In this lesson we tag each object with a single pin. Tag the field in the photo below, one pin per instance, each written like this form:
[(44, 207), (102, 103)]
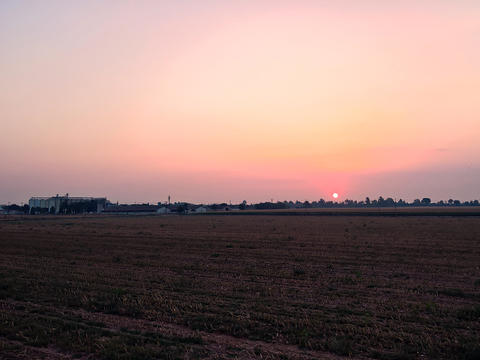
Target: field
[(244, 286)]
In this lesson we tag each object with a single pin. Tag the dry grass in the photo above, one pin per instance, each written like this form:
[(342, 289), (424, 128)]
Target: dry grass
[(379, 287)]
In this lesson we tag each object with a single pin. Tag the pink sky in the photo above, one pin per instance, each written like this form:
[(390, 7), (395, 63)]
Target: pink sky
[(242, 100)]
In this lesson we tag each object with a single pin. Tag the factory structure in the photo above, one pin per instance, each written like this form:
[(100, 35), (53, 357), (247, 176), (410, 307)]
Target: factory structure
[(57, 201)]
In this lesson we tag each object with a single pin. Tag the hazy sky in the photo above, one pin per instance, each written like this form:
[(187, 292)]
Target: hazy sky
[(213, 101)]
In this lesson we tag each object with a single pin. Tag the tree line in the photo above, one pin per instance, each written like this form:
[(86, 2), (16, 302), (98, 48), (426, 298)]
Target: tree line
[(347, 203)]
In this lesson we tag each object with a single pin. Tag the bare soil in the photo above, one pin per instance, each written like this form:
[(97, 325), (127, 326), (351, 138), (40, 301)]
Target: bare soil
[(220, 287)]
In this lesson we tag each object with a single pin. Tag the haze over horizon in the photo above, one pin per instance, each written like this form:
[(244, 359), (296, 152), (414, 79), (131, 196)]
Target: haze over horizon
[(242, 100)]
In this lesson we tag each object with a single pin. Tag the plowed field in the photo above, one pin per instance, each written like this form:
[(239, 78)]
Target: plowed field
[(208, 287)]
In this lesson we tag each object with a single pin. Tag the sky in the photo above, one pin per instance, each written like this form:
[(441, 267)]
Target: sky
[(217, 101)]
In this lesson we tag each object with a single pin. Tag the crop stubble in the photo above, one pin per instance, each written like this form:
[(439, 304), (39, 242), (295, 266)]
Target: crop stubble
[(387, 288)]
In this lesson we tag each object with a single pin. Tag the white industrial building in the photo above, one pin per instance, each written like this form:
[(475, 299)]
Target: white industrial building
[(57, 201)]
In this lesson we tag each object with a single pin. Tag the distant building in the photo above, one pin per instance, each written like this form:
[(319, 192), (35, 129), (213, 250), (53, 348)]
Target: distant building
[(200, 209), (57, 201), (168, 209), (164, 209)]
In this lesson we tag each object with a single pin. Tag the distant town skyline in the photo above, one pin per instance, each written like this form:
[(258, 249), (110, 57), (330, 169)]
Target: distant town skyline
[(213, 102)]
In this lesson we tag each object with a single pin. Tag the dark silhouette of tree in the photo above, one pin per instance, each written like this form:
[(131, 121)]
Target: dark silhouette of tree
[(389, 202), (52, 210), (350, 203), (381, 201), (426, 201), (269, 206), (218, 206), (243, 205), (15, 207), (181, 209), (63, 208)]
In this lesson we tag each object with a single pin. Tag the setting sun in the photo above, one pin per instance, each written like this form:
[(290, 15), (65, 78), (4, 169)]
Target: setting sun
[(335, 195)]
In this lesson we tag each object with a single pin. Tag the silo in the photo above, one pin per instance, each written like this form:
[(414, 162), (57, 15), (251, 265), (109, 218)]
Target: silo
[(58, 202), (51, 202)]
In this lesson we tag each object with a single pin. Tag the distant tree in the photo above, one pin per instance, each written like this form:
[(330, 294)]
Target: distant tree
[(52, 210), (450, 201), (350, 203), (401, 203), (389, 202), (456, 203), (381, 201), (63, 207), (426, 201), (243, 205), (181, 209), (217, 206), (92, 206), (367, 201), (32, 211), (26, 209), (14, 207), (307, 204), (269, 205), (417, 202)]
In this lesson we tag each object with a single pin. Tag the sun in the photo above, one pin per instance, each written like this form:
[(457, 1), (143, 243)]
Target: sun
[(335, 195)]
